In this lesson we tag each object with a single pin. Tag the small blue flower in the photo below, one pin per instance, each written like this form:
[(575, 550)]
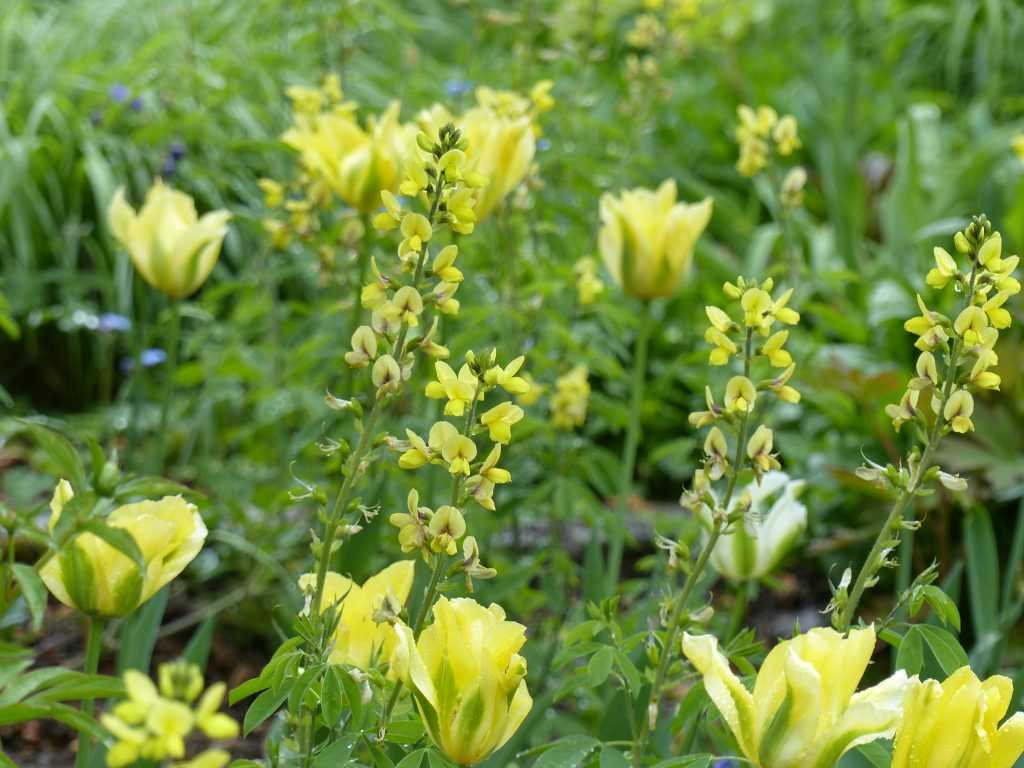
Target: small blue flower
[(136, 104), (111, 322), (725, 763), (543, 145), (177, 150), (119, 93), (169, 166), (457, 87), (149, 359)]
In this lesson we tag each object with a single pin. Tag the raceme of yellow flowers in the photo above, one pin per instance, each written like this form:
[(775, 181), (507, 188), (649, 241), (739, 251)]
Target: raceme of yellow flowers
[(170, 245), (153, 722), (760, 131), (647, 238), (92, 576), (987, 282)]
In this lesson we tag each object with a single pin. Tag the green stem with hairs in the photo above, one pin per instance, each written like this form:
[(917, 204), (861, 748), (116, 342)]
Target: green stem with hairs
[(617, 540), (894, 521), (675, 620)]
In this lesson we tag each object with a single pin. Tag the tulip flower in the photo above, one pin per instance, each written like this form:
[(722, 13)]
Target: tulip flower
[(804, 711), (358, 164), (956, 723), (170, 245), (647, 238), (359, 639), (753, 546), (466, 677), (501, 148), (97, 579)]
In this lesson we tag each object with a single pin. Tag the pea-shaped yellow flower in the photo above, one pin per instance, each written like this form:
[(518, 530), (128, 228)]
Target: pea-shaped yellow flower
[(466, 677), (360, 640), (92, 576), (501, 148), (647, 238), (956, 723), (357, 164), (804, 711), (170, 245)]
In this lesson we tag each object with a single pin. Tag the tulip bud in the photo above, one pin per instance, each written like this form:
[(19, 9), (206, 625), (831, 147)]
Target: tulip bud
[(97, 579), (647, 238), (172, 248), (466, 677)]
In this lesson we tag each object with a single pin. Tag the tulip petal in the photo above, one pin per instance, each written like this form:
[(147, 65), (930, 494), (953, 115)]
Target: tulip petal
[(732, 699)]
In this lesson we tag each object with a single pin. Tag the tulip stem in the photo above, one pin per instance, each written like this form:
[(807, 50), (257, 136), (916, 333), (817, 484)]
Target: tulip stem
[(173, 336), (629, 448), (675, 619), (894, 521), (93, 646)]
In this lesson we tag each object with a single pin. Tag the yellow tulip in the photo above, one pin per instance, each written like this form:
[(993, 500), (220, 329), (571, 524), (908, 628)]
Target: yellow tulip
[(94, 577), (804, 711), (171, 246), (956, 723), (359, 640), (501, 148), (358, 164), (647, 238), (466, 677)]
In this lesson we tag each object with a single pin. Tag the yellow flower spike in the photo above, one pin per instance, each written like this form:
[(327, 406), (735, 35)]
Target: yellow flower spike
[(944, 271), (386, 375), (443, 293), (926, 367), (416, 228), (783, 313), (804, 711), (499, 421), (412, 531), (481, 485), (506, 377), (180, 680), (756, 304), (364, 347), (958, 411), (588, 285), (956, 723), (216, 725), (418, 453), (785, 136), (458, 451), (791, 192), (273, 192), (170, 722), (717, 450), (719, 319), (90, 575), (170, 245), (724, 347), (540, 95), (905, 411), (772, 348), (126, 749), (647, 238), (997, 315), (440, 433), (458, 389), (444, 265), (740, 395), (759, 449), (570, 399), (446, 527), (990, 252), (466, 677), (928, 326), (359, 640), (970, 322), (408, 304)]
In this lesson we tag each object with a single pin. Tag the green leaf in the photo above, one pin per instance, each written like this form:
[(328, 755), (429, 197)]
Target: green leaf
[(567, 752), (118, 538), (332, 697), (910, 655), (247, 689), (61, 452), (337, 753), (152, 487), (876, 753), (982, 570), (612, 758), (33, 590), (266, 704), (138, 634), (946, 649), (354, 697), (198, 649), (600, 666), (413, 760), (943, 605)]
